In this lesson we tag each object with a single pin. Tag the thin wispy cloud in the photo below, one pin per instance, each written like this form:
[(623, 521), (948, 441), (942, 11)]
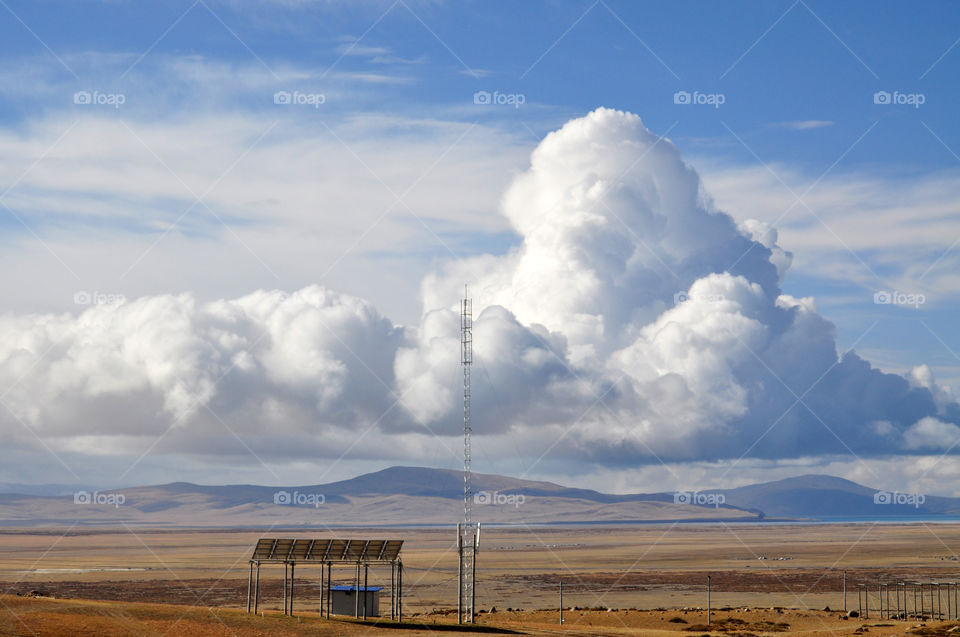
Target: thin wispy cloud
[(806, 124)]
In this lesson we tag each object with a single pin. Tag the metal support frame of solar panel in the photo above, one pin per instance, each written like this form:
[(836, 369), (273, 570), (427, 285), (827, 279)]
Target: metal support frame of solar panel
[(325, 553), (326, 550)]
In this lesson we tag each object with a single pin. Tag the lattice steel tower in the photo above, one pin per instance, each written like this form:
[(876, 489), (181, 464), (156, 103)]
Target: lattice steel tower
[(468, 532), (466, 361)]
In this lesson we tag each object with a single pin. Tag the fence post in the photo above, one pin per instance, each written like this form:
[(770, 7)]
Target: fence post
[(708, 600), (844, 591), (561, 602)]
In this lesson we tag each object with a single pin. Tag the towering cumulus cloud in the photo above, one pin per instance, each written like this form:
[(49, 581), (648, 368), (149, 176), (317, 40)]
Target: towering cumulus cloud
[(633, 322), (675, 325)]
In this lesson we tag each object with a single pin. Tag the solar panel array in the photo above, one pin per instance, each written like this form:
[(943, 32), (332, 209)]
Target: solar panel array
[(320, 550)]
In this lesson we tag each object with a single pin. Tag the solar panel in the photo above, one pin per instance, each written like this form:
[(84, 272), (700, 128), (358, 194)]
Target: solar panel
[(325, 550)]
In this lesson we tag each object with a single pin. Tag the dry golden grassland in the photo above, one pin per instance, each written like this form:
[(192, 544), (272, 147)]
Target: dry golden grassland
[(602, 568), (70, 618)]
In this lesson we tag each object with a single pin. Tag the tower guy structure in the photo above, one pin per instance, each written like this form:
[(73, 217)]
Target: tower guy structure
[(468, 531)]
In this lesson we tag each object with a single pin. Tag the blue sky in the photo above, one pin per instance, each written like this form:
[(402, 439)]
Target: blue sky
[(150, 198), (775, 62)]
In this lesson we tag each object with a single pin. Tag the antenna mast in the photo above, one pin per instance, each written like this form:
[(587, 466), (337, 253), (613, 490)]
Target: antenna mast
[(468, 532), (466, 360)]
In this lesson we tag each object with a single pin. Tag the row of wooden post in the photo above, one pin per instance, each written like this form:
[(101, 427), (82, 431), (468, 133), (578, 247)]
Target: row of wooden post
[(326, 574), (920, 606), (883, 593)]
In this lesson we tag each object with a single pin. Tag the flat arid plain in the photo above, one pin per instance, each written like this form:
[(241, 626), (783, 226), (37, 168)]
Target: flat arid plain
[(639, 579)]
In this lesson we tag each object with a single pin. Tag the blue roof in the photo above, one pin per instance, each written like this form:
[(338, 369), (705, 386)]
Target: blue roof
[(369, 589)]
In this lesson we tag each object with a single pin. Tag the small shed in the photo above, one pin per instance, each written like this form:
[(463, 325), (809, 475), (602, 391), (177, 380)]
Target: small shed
[(345, 600)]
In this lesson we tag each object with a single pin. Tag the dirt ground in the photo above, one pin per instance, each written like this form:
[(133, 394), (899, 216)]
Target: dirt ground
[(799, 568), (69, 618)]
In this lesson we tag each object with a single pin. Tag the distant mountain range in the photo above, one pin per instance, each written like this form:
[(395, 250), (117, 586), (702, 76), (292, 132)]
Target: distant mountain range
[(422, 496)]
